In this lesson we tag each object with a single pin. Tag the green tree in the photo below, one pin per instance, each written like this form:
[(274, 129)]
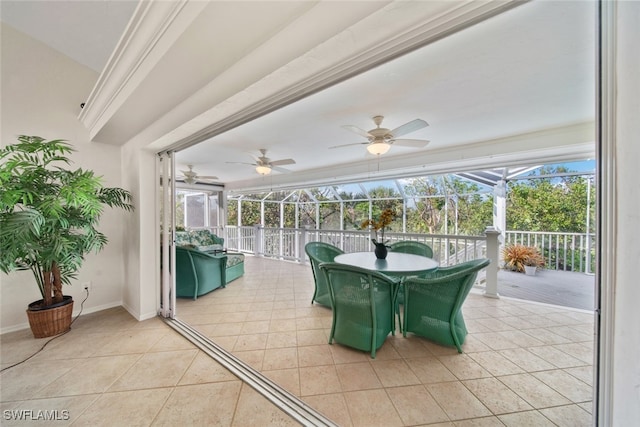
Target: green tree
[(250, 212), (474, 209), (271, 214), (232, 212), (289, 215), (387, 198), (49, 214), (557, 204), (434, 200), (355, 209), (426, 211)]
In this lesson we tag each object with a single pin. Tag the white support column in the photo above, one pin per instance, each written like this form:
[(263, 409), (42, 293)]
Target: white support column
[(500, 206), (222, 214), (493, 253), (302, 241), (258, 239)]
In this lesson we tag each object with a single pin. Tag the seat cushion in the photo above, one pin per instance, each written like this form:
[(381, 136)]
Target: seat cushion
[(234, 259), (203, 238)]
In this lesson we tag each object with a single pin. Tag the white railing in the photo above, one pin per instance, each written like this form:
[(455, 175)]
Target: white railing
[(288, 243), (561, 251)]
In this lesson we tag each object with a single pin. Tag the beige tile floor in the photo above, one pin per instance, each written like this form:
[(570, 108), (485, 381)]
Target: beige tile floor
[(524, 365)]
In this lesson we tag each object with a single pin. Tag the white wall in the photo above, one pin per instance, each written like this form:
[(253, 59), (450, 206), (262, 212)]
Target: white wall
[(141, 251), (41, 95)]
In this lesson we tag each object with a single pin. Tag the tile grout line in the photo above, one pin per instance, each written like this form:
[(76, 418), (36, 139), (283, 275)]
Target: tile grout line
[(284, 400)]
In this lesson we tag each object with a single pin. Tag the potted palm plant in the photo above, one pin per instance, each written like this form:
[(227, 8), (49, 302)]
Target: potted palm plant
[(48, 220)]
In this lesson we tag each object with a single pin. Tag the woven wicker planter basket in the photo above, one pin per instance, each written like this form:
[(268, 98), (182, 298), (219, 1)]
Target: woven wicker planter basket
[(51, 321)]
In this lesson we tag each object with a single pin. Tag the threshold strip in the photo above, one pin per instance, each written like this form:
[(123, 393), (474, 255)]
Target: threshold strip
[(284, 400)]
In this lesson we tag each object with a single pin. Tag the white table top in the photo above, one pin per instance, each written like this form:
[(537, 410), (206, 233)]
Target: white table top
[(397, 263)]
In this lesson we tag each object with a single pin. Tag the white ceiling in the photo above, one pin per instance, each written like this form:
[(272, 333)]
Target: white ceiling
[(529, 69), (86, 31)]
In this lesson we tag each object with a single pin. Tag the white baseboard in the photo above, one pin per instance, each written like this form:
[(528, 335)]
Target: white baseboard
[(76, 311)]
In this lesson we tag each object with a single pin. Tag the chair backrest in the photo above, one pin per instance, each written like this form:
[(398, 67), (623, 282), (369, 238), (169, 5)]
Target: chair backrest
[(363, 282), (318, 253), (363, 305), (322, 252), (451, 284), (409, 247)]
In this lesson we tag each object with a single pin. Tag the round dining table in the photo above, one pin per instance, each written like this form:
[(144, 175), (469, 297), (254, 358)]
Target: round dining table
[(396, 263)]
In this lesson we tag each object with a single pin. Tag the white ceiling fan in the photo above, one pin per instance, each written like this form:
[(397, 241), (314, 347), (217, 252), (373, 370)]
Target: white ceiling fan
[(379, 139), (191, 177), (264, 165)]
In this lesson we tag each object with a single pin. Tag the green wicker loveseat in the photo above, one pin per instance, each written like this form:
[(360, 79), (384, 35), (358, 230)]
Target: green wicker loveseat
[(198, 273), (202, 264)]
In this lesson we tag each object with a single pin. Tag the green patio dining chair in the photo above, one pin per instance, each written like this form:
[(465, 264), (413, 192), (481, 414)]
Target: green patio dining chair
[(432, 304), (409, 247), (363, 304), (319, 252)]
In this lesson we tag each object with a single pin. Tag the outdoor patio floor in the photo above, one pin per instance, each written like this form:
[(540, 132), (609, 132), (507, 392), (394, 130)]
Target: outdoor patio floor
[(564, 288), (523, 364)]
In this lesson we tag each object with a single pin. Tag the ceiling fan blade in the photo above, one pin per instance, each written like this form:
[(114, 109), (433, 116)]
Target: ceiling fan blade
[(207, 177), (242, 163), (349, 145), (409, 127), (357, 130), (411, 142), (279, 169), (283, 162)]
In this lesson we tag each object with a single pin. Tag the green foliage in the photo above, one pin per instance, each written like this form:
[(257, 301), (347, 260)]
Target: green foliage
[(48, 214), (431, 195), (440, 205), (354, 213), (549, 204), (271, 214), (250, 212), (232, 212)]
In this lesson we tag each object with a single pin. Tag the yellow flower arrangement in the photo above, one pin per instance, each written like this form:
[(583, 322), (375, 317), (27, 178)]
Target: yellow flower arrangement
[(386, 217)]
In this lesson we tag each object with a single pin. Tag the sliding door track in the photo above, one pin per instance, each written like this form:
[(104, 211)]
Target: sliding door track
[(284, 400)]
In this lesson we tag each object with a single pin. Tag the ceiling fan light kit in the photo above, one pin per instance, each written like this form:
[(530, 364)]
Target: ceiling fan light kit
[(378, 148), (264, 165), (379, 139), (263, 170), (191, 177)]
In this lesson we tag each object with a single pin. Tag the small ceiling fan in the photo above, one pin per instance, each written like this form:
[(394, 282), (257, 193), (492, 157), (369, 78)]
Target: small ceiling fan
[(264, 165), (191, 177), (380, 139)]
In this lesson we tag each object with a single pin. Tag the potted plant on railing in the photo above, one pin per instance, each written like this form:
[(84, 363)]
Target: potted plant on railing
[(386, 217), (48, 220), (522, 258)]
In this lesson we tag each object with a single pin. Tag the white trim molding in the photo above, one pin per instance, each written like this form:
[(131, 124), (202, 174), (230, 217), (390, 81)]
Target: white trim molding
[(606, 223), (152, 30)]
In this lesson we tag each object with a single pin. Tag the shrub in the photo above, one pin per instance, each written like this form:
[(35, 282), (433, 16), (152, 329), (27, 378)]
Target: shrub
[(516, 256)]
